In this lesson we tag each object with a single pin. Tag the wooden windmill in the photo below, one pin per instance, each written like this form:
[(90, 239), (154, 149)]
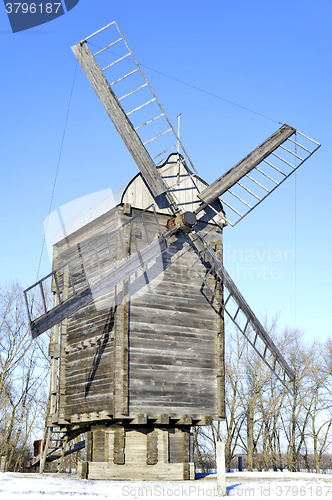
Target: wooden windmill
[(137, 346)]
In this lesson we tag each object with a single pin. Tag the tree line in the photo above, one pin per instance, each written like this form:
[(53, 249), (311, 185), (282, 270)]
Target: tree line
[(269, 426), (23, 380)]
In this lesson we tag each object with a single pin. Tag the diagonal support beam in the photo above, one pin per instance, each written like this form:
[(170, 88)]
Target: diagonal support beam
[(119, 118), (90, 293), (227, 180), (207, 255)]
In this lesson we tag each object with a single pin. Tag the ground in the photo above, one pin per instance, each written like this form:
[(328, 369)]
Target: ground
[(244, 484)]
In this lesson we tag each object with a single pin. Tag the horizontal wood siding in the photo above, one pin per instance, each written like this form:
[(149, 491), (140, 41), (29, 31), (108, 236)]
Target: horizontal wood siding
[(89, 384), (165, 361), (172, 341)]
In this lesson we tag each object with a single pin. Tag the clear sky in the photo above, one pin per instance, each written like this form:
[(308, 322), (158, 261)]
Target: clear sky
[(273, 58)]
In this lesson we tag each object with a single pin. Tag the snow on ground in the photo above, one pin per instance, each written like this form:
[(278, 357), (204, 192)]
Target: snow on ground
[(14, 486)]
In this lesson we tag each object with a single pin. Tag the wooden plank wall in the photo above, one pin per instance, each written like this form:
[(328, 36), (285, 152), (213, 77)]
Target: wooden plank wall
[(172, 342), (166, 325), (88, 380)]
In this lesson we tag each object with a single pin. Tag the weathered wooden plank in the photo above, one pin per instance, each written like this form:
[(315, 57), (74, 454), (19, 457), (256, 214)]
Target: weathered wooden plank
[(141, 472), (73, 304), (98, 451), (119, 443), (163, 446), (220, 346), (227, 180), (119, 118)]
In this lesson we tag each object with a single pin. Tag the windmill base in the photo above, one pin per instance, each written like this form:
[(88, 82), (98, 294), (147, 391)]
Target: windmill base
[(138, 453)]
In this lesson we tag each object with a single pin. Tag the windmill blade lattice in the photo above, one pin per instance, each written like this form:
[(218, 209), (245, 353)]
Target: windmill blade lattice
[(114, 72), (239, 312), (255, 177)]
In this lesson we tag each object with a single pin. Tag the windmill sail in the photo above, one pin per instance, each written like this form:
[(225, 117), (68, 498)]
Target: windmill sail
[(92, 273), (240, 313), (139, 118), (251, 180)]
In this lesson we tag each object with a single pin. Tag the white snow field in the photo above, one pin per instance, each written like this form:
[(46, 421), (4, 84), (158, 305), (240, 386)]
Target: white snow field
[(15, 486)]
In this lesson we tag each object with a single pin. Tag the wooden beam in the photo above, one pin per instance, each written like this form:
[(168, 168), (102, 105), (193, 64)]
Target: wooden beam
[(242, 304), (152, 447), (220, 344), (227, 180), (69, 306), (119, 118), (119, 444)]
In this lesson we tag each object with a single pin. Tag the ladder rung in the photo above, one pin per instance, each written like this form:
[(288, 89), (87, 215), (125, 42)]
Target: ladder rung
[(282, 159), (122, 77), (307, 138), (146, 123), (229, 296), (236, 196), (261, 171), (102, 29), (298, 144), (230, 206), (43, 296), (165, 151), (276, 168), (253, 194), (156, 137), (118, 60), (291, 152), (107, 47), (256, 182), (139, 107), (237, 312), (132, 92)]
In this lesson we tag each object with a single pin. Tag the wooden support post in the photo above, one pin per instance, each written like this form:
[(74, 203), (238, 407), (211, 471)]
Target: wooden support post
[(54, 365), (221, 472), (152, 447), (220, 345), (44, 450), (3, 463), (163, 446), (88, 446), (121, 319), (119, 444), (63, 353)]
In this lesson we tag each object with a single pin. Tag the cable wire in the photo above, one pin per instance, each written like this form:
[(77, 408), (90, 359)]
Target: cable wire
[(57, 168), (196, 88)]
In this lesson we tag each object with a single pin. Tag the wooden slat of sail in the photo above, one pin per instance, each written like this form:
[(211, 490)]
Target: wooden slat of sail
[(119, 118), (227, 180), (207, 254)]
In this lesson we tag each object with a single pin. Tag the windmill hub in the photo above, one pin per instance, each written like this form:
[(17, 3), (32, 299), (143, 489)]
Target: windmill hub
[(184, 221)]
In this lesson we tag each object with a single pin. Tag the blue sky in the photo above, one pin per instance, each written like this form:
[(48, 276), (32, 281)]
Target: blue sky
[(272, 58)]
